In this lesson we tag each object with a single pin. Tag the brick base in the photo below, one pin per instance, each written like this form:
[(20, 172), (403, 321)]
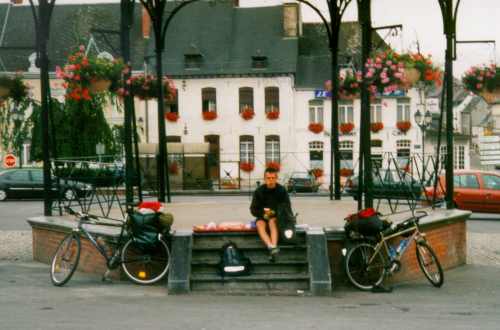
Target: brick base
[(448, 240)]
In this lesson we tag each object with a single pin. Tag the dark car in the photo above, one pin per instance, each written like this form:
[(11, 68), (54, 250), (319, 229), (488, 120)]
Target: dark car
[(28, 183), (389, 184), (302, 182)]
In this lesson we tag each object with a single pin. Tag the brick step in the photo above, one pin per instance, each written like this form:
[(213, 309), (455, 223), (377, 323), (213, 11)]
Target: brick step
[(268, 268)]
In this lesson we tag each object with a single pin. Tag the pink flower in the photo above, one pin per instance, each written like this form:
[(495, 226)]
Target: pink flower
[(389, 63), (378, 66), (394, 67), (383, 75), (369, 74), (378, 60), (385, 81), (82, 48), (479, 86), (398, 75), (59, 72)]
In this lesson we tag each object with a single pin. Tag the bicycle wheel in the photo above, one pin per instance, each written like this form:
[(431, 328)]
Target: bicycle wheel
[(360, 271), (65, 260), (429, 264), (145, 264)]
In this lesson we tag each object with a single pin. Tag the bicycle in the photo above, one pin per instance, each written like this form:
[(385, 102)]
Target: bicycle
[(367, 264), (141, 263)]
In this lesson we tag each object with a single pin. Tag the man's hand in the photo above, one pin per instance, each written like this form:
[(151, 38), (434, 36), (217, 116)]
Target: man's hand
[(268, 213)]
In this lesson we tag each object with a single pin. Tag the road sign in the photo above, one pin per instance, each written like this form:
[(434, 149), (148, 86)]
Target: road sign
[(9, 161)]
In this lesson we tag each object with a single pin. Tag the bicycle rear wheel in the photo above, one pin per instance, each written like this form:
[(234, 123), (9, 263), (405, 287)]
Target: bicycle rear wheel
[(360, 271), (429, 264), (65, 260), (145, 264)]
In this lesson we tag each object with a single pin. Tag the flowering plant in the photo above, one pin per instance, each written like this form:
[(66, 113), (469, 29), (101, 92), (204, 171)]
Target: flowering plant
[(172, 116), (247, 166), (316, 127), (247, 113), (273, 115), (209, 115), (403, 126), (480, 79), (375, 127), (424, 70), (173, 168), (317, 172), (145, 87), (346, 128), (385, 73), (87, 75), (346, 172), (273, 165)]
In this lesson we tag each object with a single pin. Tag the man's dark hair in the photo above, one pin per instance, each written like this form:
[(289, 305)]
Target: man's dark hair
[(270, 170)]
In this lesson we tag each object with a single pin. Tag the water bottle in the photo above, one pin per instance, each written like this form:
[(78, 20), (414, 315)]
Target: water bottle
[(402, 245), (392, 253)]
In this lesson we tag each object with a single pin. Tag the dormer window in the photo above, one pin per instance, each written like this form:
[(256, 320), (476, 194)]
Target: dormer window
[(193, 58), (259, 62)]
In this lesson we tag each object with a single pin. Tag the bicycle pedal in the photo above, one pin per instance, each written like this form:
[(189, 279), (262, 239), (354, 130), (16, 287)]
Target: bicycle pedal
[(106, 278)]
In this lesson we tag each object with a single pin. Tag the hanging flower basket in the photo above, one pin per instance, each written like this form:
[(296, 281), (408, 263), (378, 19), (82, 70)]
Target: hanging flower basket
[(484, 81), (172, 116), (376, 127), (420, 69), (403, 126), (99, 85), (411, 76), (316, 127), (173, 168), (247, 113), (346, 172), (273, 115), (209, 115), (145, 87), (273, 165), (247, 167), (346, 128), (317, 172), (385, 73)]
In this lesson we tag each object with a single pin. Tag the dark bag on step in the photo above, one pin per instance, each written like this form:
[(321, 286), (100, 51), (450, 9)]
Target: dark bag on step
[(286, 224), (144, 228), (233, 262)]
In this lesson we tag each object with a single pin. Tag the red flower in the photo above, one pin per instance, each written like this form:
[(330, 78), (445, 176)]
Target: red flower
[(171, 116), (316, 127), (317, 172), (209, 115), (273, 115), (173, 168), (274, 165), (346, 172), (403, 126), (346, 128), (247, 113), (247, 167), (375, 127)]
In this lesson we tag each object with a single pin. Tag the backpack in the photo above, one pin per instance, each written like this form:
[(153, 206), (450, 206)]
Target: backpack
[(365, 222), (286, 223), (144, 228), (233, 262)]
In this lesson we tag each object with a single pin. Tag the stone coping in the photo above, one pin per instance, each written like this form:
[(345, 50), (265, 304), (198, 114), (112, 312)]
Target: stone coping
[(436, 218), (108, 228)]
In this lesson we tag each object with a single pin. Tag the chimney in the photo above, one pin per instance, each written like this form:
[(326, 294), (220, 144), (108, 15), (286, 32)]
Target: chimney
[(146, 23), (292, 25)]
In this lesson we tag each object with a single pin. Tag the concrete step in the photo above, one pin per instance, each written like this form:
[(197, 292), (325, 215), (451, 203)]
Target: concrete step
[(253, 284), (210, 242), (267, 268)]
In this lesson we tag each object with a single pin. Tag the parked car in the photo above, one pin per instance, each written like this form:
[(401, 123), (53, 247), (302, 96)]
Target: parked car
[(389, 184), (28, 183), (477, 191), (302, 182)]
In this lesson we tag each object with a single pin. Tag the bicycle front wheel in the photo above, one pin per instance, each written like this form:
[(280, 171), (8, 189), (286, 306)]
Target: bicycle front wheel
[(360, 271), (145, 264), (65, 260), (429, 264)]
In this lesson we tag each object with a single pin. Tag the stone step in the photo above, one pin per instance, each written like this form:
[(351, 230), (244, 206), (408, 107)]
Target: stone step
[(257, 269), (250, 278), (252, 288), (243, 241), (259, 255), (217, 245)]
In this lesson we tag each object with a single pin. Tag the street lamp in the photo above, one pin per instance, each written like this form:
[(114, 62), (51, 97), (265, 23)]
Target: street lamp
[(423, 122)]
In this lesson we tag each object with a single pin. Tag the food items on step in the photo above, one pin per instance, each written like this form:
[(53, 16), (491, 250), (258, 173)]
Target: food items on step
[(225, 226)]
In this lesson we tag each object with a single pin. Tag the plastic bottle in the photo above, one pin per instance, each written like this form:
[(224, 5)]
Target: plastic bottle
[(402, 245), (392, 252)]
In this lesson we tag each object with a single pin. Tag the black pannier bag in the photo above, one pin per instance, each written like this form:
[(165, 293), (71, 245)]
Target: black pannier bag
[(144, 228), (366, 222), (233, 262), (286, 224)]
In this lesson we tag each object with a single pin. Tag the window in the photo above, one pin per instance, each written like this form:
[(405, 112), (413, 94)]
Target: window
[(316, 154), (376, 143), (403, 152), (209, 99), (172, 104), (466, 181), (192, 61), (442, 156), (259, 62), (403, 112), (247, 154), (377, 161), (37, 176), (459, 157), (346, 154), (316, 111), (246, 98), (272, 99), (272, 148), (491, 182), (376, 113), (346, 113), (19, 176)]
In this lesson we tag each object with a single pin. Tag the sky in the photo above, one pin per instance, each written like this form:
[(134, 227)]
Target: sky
[(421, 20)]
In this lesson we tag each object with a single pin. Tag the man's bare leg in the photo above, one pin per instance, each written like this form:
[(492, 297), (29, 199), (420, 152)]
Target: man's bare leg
[(262, 230), (273, 228)]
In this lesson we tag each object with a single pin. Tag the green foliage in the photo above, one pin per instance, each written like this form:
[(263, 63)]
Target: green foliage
[(12, 133), (97, 177)]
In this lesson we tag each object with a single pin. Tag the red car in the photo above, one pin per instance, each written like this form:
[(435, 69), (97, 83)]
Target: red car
[(477, 191)]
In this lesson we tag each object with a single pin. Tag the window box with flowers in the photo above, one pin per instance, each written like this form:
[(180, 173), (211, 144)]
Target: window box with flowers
[(403, 126), (209, 115), (317, 172), (316, 127), (346, 172), (172, 116), (247, 166), (484, 81), (273, 115), (346, 128), (173, 168), (376, 127), (273, 165), (247, 113)]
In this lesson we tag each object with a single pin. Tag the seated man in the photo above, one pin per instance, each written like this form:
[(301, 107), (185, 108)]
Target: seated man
[(266, 199)]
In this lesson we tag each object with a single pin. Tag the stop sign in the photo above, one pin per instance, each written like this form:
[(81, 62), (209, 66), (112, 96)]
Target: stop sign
[(9, 161)]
